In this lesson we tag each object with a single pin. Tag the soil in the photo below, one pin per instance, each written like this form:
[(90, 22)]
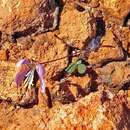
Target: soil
[(55, 34)]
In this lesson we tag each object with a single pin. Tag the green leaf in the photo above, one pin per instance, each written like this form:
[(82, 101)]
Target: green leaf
[(81, 68), (71, 68), (78, 62)]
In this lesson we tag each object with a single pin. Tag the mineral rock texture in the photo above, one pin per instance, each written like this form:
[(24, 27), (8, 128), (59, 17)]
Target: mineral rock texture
[(21, 18), (78, 27), (116, 9), (86, 114), (108, 44), (97, 100)]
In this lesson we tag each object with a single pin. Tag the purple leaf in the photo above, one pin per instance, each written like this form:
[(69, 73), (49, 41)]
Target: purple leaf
[(43, 86), (20, 76), (21, 62), (41, 73), (94, 43)]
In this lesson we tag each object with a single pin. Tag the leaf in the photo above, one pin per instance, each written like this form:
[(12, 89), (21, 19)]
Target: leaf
[(21, 62), (41, 73), (40, 70), (81, 68), (43, 86), (31, 78), (79, 62), (71, 68), (28, 76), (94, 43), (20, 76)]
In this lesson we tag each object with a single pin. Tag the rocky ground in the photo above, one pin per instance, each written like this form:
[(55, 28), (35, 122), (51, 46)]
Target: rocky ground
[(51, 32)]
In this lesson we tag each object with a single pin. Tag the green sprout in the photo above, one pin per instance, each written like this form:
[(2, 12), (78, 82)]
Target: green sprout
[(77, 65)]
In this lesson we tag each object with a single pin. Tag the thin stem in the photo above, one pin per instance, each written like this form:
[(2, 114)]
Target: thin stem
[(73, 55), (45, 62)]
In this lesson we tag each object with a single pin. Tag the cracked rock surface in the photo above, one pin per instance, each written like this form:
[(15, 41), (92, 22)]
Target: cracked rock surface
[(51, 31)]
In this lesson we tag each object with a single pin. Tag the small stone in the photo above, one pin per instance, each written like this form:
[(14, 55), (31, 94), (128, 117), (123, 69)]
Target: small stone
[(3, 55), (121, 92)]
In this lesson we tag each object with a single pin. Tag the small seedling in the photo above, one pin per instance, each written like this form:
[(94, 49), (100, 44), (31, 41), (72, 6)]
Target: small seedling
[(77, 65), (27, 75)]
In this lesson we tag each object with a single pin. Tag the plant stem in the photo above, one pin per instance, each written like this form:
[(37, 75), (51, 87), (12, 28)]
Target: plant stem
[(73, 55)]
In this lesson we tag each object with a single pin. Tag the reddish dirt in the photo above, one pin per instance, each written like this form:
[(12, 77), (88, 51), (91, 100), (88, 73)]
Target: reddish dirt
[(97, 100)]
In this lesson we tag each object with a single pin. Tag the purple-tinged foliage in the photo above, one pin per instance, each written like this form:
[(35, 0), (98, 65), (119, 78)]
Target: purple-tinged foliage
[(43, 86), (20, 76), (21, 62), (41, 73), (94, 43), (27, 75)]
